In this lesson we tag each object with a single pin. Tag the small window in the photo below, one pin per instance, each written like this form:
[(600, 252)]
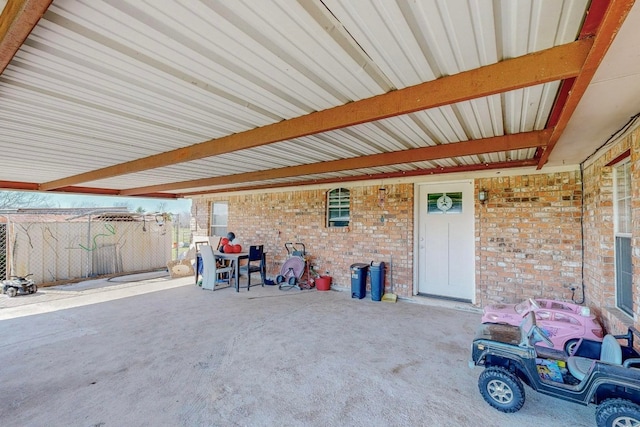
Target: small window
[(559, 306), (543, 315), (563, 318), (338, 205), (623, 198), (219, 218)]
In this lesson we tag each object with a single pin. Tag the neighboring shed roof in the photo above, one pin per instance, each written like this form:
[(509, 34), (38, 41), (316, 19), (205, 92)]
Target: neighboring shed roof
[(72, 215)]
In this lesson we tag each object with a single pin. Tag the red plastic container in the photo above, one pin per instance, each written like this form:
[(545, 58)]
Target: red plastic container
[(323, 283)]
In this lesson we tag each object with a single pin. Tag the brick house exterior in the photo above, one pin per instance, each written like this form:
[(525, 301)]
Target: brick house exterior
[(529, 235), (298, 215), (599, 247)]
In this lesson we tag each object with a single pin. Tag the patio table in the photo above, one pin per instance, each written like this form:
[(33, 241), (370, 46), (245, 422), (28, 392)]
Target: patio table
[(234, 257)]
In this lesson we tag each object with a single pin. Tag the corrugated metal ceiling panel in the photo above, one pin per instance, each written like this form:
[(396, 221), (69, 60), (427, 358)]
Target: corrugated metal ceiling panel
[(445, 124), (112, 81)]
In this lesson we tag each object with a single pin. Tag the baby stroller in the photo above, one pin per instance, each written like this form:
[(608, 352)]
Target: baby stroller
[(293, 269)]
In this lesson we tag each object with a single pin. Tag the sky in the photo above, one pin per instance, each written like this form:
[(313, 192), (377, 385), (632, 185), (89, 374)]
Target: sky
[(149, 205)]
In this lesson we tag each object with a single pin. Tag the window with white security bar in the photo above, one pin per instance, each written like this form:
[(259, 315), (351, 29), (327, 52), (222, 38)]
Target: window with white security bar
[(338, 207), (622, 211), (219, 218)]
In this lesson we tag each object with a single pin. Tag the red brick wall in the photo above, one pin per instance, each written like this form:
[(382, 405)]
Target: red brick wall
[(634, 143), (375, 233), (599, 255), (528, 237)]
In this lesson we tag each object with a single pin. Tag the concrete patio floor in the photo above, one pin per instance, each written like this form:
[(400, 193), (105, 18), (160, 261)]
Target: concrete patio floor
[(163, 352)]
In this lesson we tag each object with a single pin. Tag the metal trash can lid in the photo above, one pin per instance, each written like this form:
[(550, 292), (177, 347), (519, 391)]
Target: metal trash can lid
[(359, 266)]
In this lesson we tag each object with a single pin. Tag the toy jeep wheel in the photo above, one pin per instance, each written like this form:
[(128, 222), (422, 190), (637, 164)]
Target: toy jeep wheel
[(11, 292), (618, 413), (501, 389)]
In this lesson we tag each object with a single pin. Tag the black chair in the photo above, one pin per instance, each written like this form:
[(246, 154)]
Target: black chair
[(255, 264)]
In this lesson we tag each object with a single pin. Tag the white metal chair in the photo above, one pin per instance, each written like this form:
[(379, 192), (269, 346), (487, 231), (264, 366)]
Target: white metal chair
[(211, 273)]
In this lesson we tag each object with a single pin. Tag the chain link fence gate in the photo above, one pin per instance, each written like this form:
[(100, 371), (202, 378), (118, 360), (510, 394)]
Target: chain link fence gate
[(56, 245)]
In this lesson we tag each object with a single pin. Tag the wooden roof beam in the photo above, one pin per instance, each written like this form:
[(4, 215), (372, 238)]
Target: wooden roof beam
[(611, 22), (18, 19), (377, 176), (467, 148), (552, 64), (33, 186)]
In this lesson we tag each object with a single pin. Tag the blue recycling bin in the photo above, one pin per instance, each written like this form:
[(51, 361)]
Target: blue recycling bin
[(359, 280), (377, 271)]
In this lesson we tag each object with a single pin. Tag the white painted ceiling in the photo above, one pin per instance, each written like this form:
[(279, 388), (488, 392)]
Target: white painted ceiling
[(98, 87), (612, 99)]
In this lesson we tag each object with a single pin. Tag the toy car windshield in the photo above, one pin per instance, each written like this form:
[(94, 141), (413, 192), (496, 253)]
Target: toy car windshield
[(528, 330), (524, 307)]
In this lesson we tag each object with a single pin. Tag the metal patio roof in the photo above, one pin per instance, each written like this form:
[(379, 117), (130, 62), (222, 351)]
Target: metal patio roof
[(176, 98)]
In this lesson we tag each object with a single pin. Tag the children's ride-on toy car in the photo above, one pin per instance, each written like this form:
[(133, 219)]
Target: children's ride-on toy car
[(604, 373), (19, 285), (563, 322)]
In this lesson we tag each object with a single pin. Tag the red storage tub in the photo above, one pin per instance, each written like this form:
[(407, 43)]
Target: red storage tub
[(323, 283)]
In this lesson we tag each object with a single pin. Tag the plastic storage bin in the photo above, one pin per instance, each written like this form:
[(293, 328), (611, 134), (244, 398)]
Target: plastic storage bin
[(376, 271), (359, 280), (323, 283)]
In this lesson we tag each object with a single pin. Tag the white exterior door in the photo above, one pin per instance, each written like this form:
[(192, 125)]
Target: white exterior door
[(446, 250)]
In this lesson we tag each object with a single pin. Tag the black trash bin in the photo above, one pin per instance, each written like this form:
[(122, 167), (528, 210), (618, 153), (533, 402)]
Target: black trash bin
[(359, 280), (376, 271)]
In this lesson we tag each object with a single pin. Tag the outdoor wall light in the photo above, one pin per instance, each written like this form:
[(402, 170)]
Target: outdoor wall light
[(382, 195), (483, 195)]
